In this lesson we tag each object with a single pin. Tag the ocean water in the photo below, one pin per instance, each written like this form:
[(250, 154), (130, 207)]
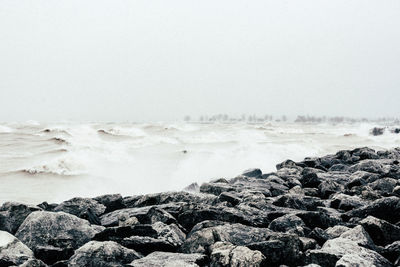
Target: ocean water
[(55, 162)]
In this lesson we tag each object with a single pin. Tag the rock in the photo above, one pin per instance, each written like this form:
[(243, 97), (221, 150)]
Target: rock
[(12, 214), (32, 263), (200, 238), (252, 173), (381, 232), (227, 254), (193, 214), (145, 238), (373, 166), (392, 253), (58, 232), (79, 207), (384, 185), (396, 191), (333, 250), (167, 259), (386, 208), (377, 131), (319, 235), (336, 231), (13, 251), (111, 202), (145, 215), (192, 188), (229, 197), (298, 202), (360, 236), (279, 249), (346, 202), (288, 224), (329, 187), (171, 197), (100, 254), (310, 180)]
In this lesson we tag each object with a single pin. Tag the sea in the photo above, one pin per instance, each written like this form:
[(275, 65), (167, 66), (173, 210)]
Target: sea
[(54, 162)]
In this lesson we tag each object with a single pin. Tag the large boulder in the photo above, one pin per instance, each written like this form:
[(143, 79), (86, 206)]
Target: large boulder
[(168, 259), (103, 254), (227, 254), (53, 236), (13, 251), (12, 214)]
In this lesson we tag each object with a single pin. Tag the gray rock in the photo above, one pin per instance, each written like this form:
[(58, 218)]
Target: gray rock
[(200, 238), (288, 224), (58, 232), (111, 202), (13, 251), (168, 259), (336, 231), (333, 250), (33, 263), (12, 214), (360, 236), (103, 254), (79, 207), (252, 173), (381, 232), (227, 254)]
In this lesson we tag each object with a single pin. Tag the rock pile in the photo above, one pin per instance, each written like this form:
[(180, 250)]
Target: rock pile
[(337, 210)]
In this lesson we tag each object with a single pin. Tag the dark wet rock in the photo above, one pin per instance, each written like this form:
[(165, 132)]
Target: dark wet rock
[(396, 191), (231, 198), (171, 197), (377, 131), (286, 164), (252, 173), (58, 232), (13, 251), (386, 208), (159, 259), (12, 214), (319, 235), (47, 206), (191, 215), (144, 215), (79, 207), (227, 254), (103, 254), (288, 224), (111, 202), (145, 238), (392, 253), (310, 180), (339, 167), (298, 202), (307, 243), (329, 187), (382, 232), (280, 248), (373, 166)]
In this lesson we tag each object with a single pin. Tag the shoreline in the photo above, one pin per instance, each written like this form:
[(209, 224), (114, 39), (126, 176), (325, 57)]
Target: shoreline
[(336, 210)]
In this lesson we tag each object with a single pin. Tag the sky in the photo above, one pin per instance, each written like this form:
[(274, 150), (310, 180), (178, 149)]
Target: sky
[(155, 60)]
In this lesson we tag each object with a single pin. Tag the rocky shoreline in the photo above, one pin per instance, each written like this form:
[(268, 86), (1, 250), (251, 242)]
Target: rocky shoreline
[(337, 210)]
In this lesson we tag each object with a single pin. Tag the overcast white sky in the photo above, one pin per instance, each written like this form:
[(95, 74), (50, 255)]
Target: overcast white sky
[(159, 60)]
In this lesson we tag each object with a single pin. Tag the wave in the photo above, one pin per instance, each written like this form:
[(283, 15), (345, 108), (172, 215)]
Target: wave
[(59, 140), (59, 131), (60, 167), (6, 129)]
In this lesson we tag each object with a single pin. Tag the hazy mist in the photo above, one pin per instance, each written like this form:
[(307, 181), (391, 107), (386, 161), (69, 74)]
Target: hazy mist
[(160, 60)]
